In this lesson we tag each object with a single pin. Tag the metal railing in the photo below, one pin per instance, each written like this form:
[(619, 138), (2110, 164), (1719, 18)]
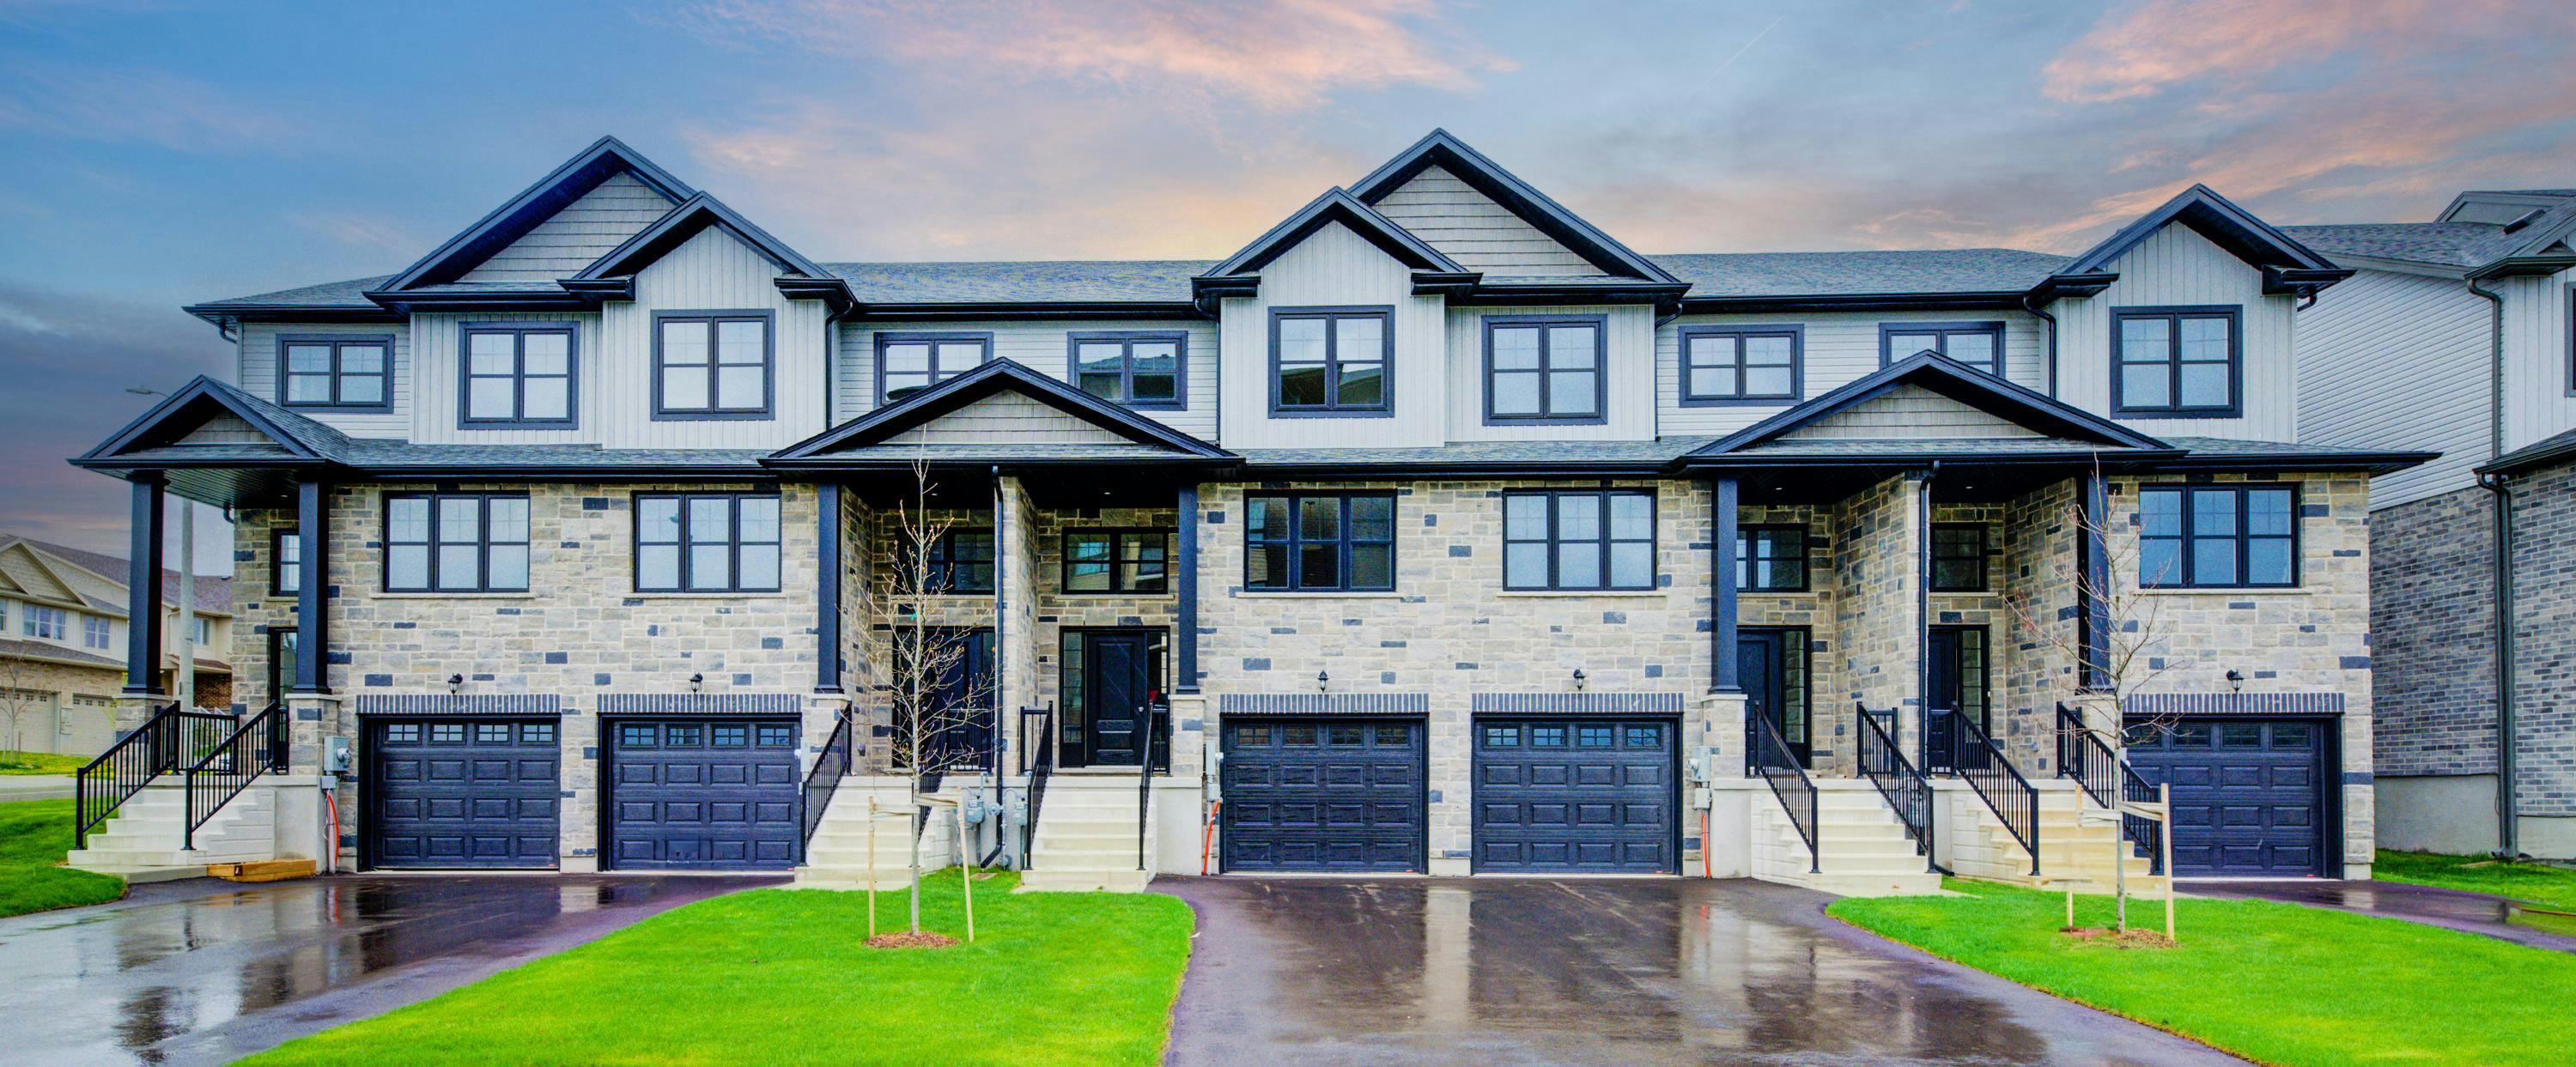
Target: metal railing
[(1885, 765), (1976, 760), (105, 783), (1041, 760), (254, 748), (1768, 756), (1156, 757), (830, 766), (2108, 778)]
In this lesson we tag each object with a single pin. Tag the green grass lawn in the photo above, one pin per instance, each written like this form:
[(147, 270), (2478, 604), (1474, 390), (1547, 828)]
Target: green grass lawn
[(2549, 887), (34, 835), (2278, 983), (778, 976), (15, 762)]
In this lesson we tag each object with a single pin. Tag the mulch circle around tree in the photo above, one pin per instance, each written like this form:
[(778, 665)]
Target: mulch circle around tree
[(908, 939), (2116, 939)]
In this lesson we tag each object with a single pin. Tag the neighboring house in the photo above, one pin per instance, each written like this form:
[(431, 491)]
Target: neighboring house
[(2454, 336), (62, 638), (1466, 538)]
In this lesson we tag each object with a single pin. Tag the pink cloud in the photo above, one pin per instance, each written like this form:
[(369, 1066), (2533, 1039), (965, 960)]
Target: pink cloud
[(2171, 42)]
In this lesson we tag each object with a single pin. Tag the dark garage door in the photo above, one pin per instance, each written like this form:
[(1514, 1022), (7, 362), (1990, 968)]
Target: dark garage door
[(1575, 795), (1317, 795), (2246, 793), (703, 794), (464, 793)]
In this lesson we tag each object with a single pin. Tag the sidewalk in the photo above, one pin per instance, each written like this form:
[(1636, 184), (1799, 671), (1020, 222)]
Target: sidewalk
[(2452, 909)]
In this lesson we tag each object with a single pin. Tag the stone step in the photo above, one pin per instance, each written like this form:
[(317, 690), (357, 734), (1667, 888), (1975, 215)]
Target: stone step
[(1042, 880)]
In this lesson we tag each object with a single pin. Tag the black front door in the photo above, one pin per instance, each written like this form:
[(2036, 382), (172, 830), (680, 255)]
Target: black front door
[(1955, 681), (1770, 665), (1115, 690), (956, 716)]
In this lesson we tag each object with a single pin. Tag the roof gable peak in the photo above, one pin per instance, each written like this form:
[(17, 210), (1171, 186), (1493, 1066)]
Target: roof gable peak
[(993, 378), (1336, 205), (1445, 150), (2287, 265), (1987, 393), (580, 174)]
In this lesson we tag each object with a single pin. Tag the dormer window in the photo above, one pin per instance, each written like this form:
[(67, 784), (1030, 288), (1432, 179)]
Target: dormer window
[(2176, 362), (1545, 369), (1977, 344), (711, 365), (1332, 361)]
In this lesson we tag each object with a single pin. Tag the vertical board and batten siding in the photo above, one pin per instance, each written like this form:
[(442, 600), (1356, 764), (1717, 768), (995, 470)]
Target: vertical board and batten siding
[(710, 272), (258, 377), (1335, 267), (572, 238), (1838, 347), (2177, 266), (1041, 346), (2539, 397), (1629, 368), (438, 402), (1468, 226), (2391, 360)]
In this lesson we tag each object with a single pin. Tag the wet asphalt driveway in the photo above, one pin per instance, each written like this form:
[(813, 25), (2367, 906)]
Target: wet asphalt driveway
[(1497, 971), (204, 971)]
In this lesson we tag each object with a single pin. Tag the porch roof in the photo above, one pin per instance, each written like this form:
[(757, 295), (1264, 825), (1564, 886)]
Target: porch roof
[(1092, 430)]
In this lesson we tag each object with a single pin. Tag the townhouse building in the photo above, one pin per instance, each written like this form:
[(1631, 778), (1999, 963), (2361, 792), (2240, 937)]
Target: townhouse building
[(62, 626), (1435, 530)]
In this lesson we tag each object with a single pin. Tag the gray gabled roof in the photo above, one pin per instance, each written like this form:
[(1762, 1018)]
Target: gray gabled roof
[(1956, 270), (2447, 244), (1074, 281), (2539, 453)]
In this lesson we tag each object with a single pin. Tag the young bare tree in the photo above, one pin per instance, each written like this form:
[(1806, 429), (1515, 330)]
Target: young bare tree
[(19, 701), (941, 706)]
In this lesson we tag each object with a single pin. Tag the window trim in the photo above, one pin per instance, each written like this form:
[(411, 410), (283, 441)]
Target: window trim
[(55, 620), (106, 628), (1806, 557), (2173, 314), (903, 554), (2243, 539), (1887, 332), (1295, 583), (1117, 536), (933, 338), (1654, 537), (1600, 325), (519, 331), (278, 566), (1330, 409), (712, 412), (483, 540), (336, 341), (1797, 335), (1127, 341), (733, 542), (1985, 570), (281, 661)]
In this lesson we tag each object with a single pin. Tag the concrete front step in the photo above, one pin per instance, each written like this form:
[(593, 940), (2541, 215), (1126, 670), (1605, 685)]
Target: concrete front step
[(1044, 880)]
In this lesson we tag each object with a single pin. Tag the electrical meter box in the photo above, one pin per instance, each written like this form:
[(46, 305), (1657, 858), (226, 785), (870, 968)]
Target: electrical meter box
[(336, 758)]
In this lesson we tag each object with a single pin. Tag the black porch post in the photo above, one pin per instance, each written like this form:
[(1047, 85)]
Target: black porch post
[(312, 601), (1185, 639), (143, 589), (2093, 614), (1723, 502), (827, 588)]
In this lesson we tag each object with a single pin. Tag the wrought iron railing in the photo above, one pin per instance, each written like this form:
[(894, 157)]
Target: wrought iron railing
[(1769, 757), (254, 748), (105, 783), (830, 766), (1976, 760), (1157, 757), (2107, 778), (1885, 765), (1041, 759)]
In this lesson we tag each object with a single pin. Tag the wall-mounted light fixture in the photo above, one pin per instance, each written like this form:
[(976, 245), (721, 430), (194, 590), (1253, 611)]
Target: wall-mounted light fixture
[(456, 683), (1323, 681), (2235, 680), (697, 683), (1578, 678)]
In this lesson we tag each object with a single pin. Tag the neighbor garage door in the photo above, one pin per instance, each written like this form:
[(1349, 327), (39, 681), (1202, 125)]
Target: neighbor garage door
[(2247, 793), (1320, 795), (1575, 795), (463, 792), (703, 794)]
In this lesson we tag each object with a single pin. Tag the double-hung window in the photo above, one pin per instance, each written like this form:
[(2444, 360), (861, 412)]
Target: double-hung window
[(1977, 344), (908, 363), (1319, 542), (711, 365), (1140, 370), (1117, 561), (1332, 361), (517, 374), (346, 373), (2175, 362), (94, 631), (286, 562), (706, 543), (44, 622), (2218, 536), (1545, 369), (1589, 539), (1724, 365), (1771, 559), (456, 543), (1958, 557)]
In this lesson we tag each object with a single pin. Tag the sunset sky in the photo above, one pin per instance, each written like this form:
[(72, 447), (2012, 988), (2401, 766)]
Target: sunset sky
[(160, 153)]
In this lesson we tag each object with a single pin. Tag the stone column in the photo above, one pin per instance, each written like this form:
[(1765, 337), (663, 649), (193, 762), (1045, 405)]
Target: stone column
[(1879, 618)]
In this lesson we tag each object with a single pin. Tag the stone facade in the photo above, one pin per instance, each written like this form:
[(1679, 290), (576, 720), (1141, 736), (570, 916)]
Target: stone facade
[(1879, 616)]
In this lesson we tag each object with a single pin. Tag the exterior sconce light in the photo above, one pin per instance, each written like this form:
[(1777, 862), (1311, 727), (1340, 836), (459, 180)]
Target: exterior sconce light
[(2235, 680), (1578, 678), (697, 683), (1323, 681), (456, 683)]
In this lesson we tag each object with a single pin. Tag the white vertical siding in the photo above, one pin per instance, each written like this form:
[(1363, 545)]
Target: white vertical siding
[(1629, 341), (437, 406), (583, 231), (710, 272), (2401, 361), (2540, 397), (2178, 266), (258, 377), (1839, 347), (1468, 226), (1041, 346), (1336, 267)]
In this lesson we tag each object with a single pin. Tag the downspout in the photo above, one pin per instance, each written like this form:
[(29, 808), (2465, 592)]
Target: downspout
[(999, 656), (2501, 493), (2027, 304)]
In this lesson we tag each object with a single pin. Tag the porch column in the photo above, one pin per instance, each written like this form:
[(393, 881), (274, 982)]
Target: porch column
[(1185, 588), (143, 589), (827, 588), (2093, 610), (1724, 505), (313, 600)]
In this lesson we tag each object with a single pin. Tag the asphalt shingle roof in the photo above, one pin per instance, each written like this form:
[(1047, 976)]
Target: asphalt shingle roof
[(1576, 452), (1955, 270), (2448, 244), (213, 593)]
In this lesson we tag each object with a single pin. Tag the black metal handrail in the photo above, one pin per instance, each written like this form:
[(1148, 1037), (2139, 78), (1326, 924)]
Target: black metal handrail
[(254, 748), (1156, 757), (830, 766), (2107, 777), (2147, 834), (1041, 757), (1976, 760), (1886, 767), (1767, 755), (105, 783)]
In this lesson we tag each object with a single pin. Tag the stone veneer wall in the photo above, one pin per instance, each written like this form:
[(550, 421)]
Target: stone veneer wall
[(2042, 534), (2432, 617), (2544, 675), (1879, 617), (1990, 610), (882, 563), (1813, 611)]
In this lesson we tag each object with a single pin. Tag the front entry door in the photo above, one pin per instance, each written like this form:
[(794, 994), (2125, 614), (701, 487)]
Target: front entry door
[(1763, 666), (956, 718), (1116, 690), (1956, 684)]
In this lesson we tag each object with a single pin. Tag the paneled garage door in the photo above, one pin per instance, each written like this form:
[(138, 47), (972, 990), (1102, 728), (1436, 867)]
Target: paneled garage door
[(703, 794), (463, 792), (1588, 795), (1324, 795), (2247, 793)]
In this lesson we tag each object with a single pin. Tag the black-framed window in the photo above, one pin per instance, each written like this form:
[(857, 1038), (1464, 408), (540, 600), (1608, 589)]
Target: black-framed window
[(2218, 536), (1118, 561), (712, 365), (1319, 542), (1771, 559), (958, 562), (1546, 369), (706, 543), (347, 373), (516, 374), (908, 363), (282, 662), (1140, 370), (2177, 362), (286, 562), (1977, 344), (1579, 539), (456, 543), (1727, 365), (1332, 361), (1958, 557)]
